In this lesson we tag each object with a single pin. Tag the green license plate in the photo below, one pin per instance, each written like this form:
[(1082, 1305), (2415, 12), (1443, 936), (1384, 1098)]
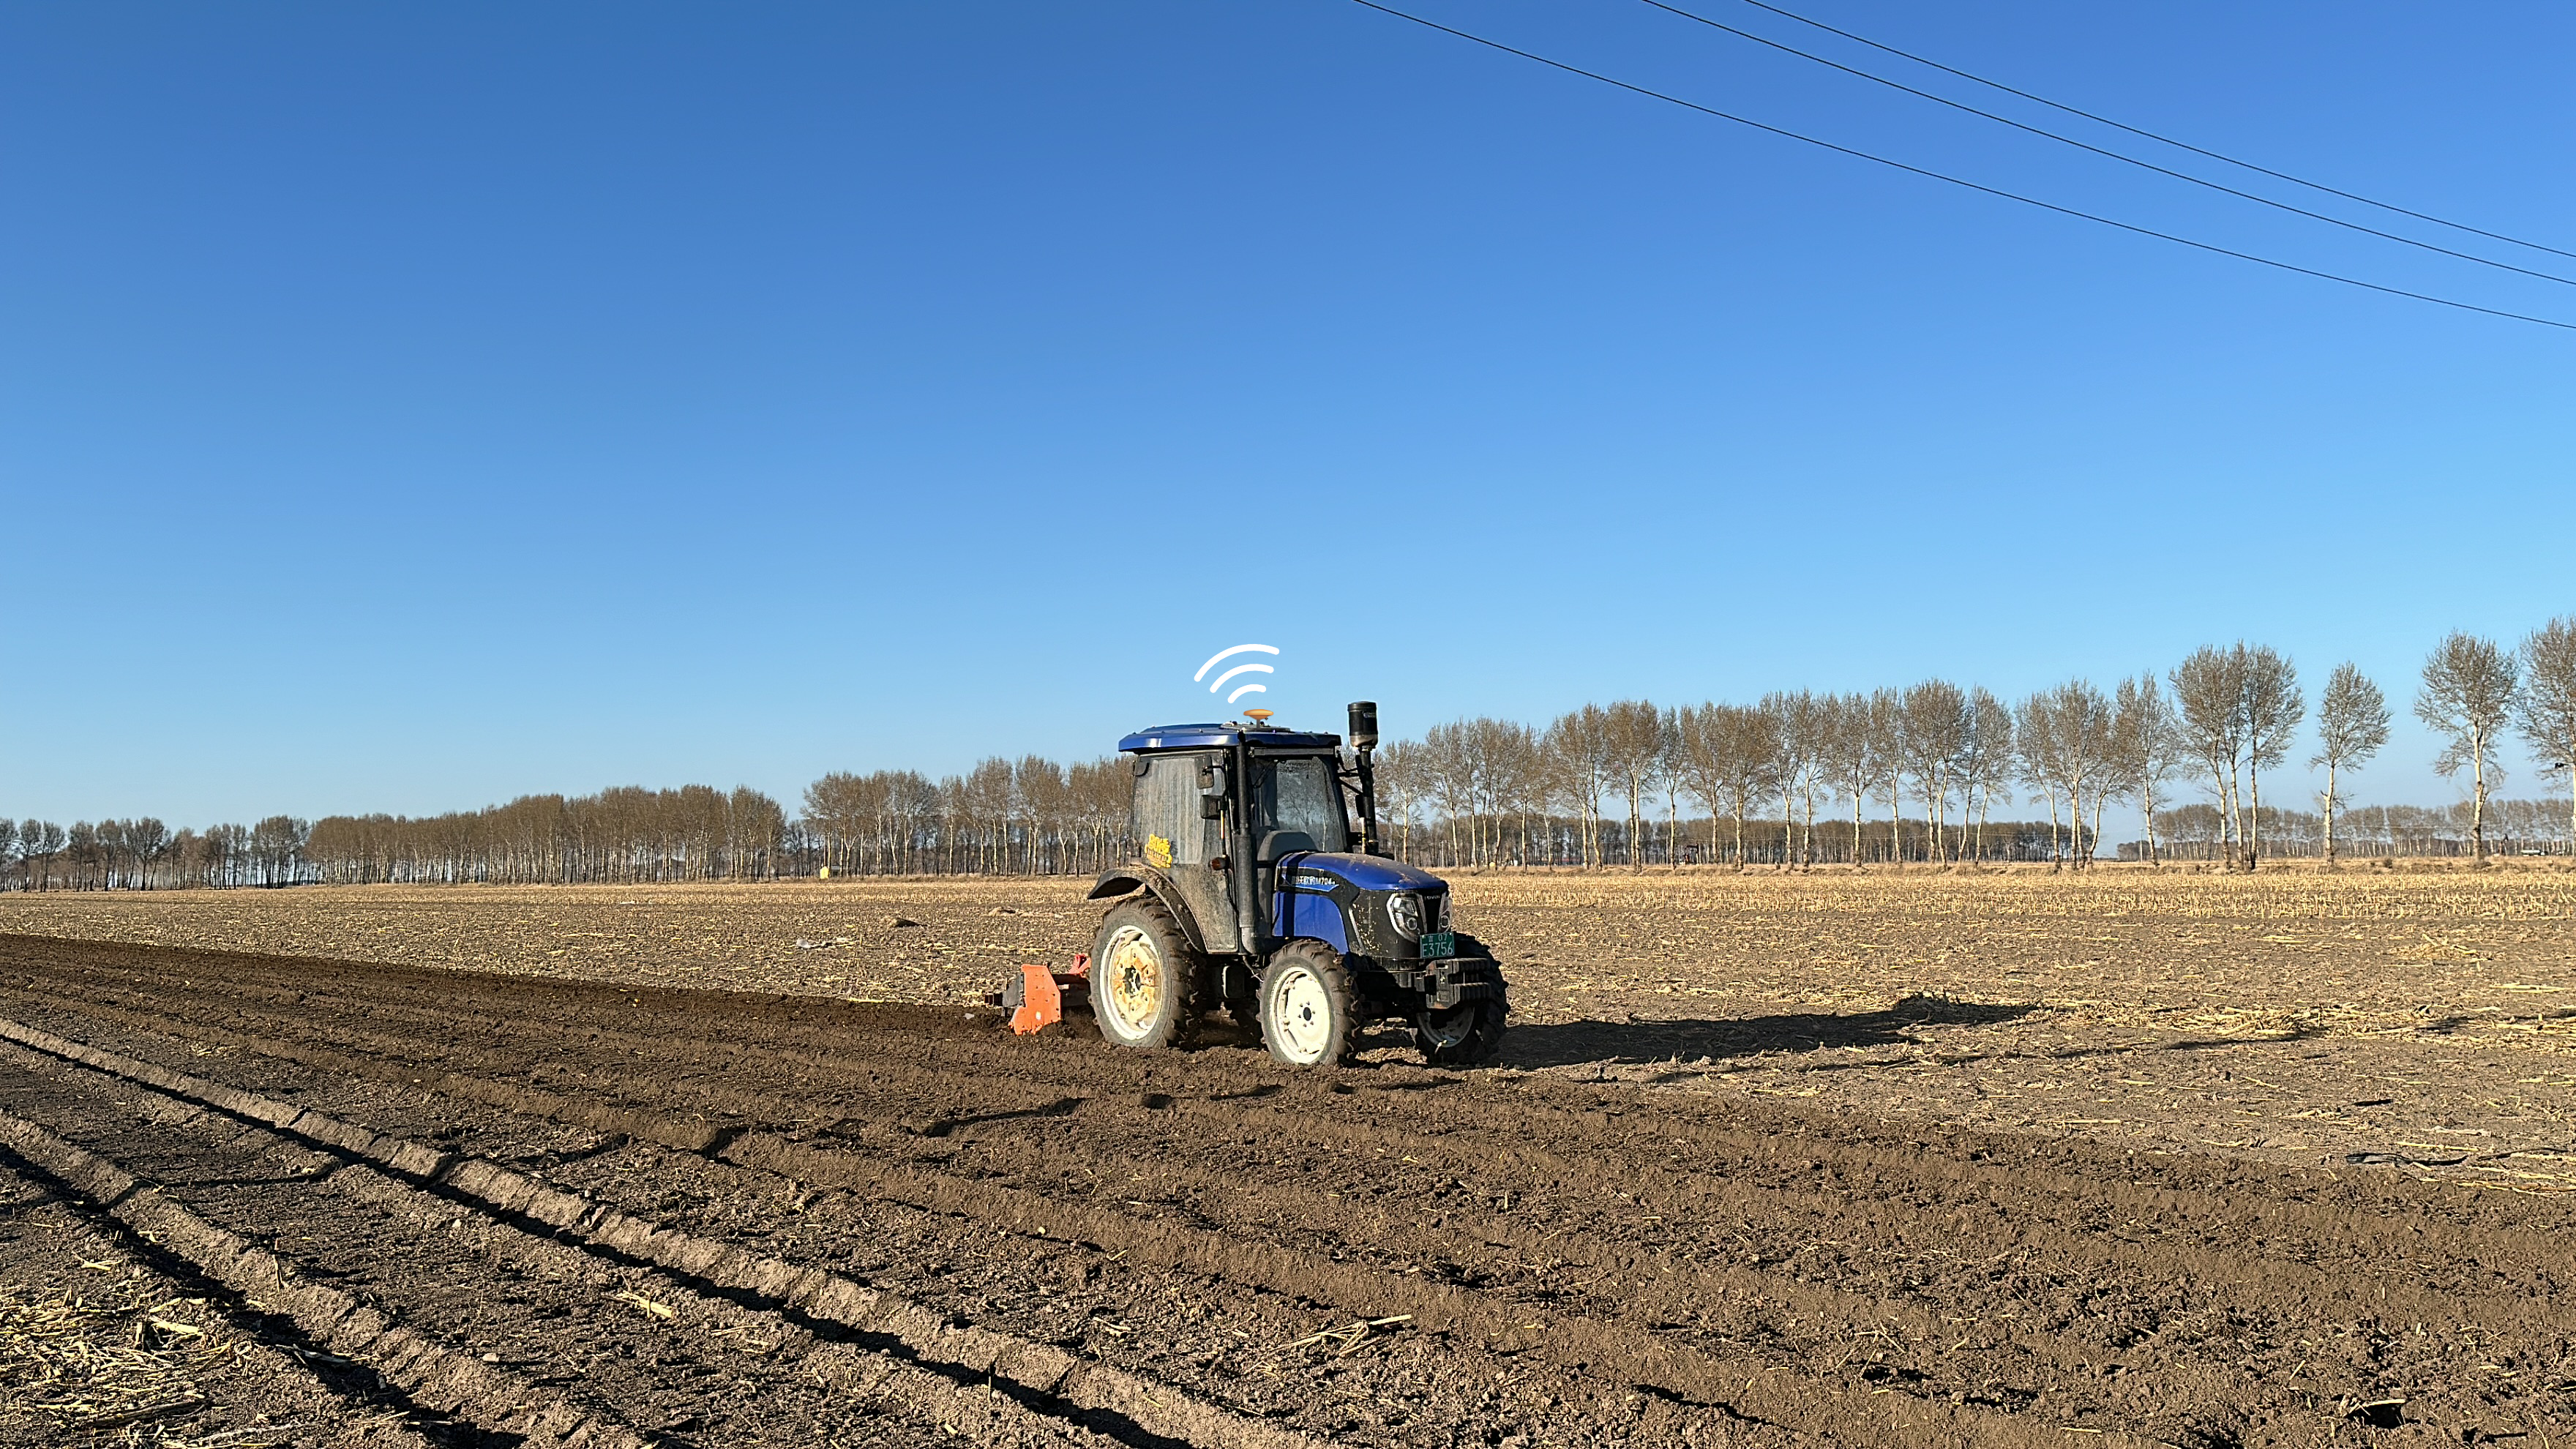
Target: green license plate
[(1438, 944)]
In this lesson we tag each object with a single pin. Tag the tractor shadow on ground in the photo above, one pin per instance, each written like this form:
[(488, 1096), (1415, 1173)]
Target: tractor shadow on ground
[(1559, 1044)]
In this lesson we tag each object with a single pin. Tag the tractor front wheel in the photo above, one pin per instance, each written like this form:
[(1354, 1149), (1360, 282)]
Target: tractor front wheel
[(1144, 977), (1466, 1035), (1309, 1009)]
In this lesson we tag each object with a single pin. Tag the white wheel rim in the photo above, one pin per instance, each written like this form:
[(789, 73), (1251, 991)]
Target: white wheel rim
[(1135, 982), (1300, 1014)]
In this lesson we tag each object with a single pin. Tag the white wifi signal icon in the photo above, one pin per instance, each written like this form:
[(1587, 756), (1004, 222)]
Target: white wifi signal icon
[(1221, 680)]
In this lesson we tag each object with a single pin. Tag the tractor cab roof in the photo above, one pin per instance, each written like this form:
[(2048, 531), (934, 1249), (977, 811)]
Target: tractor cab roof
[(1221, 736)]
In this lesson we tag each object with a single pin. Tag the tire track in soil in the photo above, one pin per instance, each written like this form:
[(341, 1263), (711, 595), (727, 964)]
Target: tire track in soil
[(1432, 1305), (428, 1375), (264, 1380), (1146, 1412), (209, 1157), (1639, 1298), (2273, 1243)]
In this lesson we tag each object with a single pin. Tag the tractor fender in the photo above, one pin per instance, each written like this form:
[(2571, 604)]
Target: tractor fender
[(1126, 880)]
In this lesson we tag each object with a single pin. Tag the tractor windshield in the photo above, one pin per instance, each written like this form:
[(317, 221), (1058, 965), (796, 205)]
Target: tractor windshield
[(1303, 795)]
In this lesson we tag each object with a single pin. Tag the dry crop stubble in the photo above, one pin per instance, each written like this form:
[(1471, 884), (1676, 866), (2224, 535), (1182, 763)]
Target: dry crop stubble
[(2416, 1021)]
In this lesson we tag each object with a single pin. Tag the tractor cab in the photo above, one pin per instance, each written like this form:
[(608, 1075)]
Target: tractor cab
[(1261, 891)]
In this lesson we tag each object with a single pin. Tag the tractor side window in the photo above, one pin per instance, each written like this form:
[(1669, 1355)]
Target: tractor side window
[(1167, 804), (1303, 795)]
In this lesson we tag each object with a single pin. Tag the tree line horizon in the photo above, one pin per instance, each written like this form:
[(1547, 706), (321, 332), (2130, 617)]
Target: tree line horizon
[(1768, 781)]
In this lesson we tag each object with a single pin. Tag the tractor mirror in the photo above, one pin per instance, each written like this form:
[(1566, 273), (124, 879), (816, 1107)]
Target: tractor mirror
[(1364, 725), (1211, 807)]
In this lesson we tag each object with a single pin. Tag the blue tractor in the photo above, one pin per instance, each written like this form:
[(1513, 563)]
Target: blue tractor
[(1262, 892)]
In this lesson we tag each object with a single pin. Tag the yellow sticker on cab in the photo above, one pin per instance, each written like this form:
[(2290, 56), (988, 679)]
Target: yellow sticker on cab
[(1158, 852)]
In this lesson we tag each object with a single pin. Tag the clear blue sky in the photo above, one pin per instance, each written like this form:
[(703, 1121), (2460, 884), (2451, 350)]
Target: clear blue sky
[(404, 407)]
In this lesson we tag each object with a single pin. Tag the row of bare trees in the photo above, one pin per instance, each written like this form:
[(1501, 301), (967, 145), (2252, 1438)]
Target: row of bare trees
[(1730, 782), (144, 854), (2197, 831), (627, 834), (1485, 791), (1032, 817)]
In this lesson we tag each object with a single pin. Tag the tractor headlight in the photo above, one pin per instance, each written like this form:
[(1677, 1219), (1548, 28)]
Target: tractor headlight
[(1440, 908), (1405, 909)]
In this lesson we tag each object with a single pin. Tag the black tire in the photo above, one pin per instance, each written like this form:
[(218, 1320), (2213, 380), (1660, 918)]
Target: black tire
[(1466, 1035), (1149, 999), (1243, 1006), (1309, 1009)]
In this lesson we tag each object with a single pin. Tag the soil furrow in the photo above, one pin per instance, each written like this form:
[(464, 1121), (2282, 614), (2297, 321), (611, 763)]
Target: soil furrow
[(1855, 1278), (1041, 1371), (2181, 1256), (1753, 1386), (412, 1258)]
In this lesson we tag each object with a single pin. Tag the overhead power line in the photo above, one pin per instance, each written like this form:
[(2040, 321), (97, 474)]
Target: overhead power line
[(1962, 182), (2104, 151), (2154, 135)]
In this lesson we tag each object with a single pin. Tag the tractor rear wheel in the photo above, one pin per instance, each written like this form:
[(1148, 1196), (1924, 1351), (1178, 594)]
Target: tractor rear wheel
[(1144, 977), (1309, 1009)]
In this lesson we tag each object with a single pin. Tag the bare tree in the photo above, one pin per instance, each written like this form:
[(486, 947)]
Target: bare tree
[(1842, 733), (1750, 756), (1579, 744), (2352, 725), (2065, 736), (1932, 727), (1797, 728), (1698, 758), (2146, 746), (1667, 777), (2209, 697), (1730, 758), (277, 844), (1449, 770), (755, 827), (1985, 761), (2084, 731), (2469, 690), (1515, 777), (2273, 707), (2035, 744), (2547, 712), (146, 841), (1399, 791), (39, 843), (1634, 740), (1882, 716)]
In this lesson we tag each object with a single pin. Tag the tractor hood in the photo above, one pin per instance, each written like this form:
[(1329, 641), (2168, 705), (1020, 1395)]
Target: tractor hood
[(1368, 872)]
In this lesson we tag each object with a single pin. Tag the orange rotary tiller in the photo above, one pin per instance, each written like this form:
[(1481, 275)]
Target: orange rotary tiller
[(1039, 1001)]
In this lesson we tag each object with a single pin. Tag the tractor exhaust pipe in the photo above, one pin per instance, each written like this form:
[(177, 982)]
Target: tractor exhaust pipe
[(1363, 742)]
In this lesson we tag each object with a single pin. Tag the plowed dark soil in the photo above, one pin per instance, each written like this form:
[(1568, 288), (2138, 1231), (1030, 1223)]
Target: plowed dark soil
[(1381, 1256)]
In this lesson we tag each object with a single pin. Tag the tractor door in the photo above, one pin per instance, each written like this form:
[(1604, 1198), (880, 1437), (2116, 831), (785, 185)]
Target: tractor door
[(1179, 841)]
